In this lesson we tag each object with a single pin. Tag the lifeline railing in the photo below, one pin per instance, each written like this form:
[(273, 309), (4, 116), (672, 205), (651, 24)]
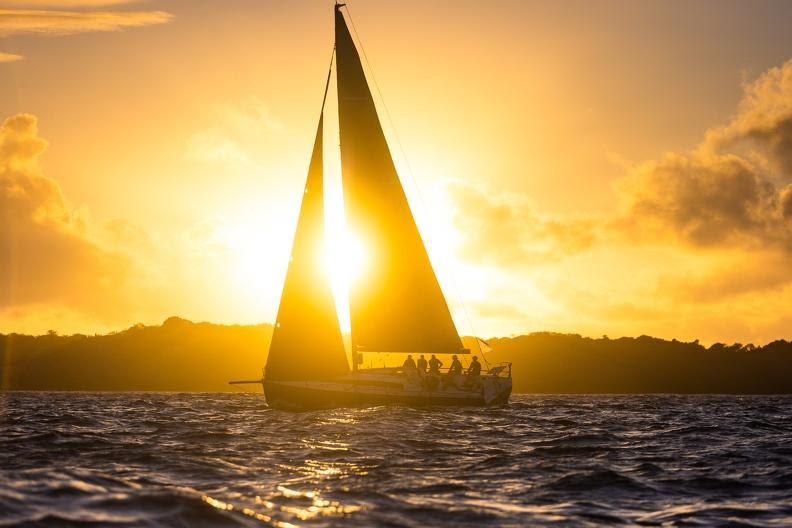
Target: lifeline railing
[(501, 370)]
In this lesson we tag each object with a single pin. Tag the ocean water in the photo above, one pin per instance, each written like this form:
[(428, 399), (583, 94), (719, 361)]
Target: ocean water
[(149, 459)]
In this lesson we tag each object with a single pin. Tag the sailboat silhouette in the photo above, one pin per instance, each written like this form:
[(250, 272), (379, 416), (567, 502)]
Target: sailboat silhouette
[(397, 306)]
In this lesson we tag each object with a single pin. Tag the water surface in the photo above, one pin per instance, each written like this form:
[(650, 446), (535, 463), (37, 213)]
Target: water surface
[(155, 459)]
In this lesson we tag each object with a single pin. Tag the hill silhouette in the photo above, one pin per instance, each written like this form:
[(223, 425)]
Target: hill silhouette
[(181, 355), (569, 363)]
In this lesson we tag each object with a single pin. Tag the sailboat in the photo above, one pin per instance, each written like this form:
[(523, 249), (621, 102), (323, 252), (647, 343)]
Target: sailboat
[(396, 306)]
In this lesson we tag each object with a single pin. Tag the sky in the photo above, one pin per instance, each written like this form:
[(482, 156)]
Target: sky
[(610, 168)]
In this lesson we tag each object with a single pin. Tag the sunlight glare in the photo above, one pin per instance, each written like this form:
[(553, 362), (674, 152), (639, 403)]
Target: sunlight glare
[(344, 261), (344, 258)]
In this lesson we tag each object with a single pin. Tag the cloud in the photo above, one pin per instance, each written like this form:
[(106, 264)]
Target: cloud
[(21, 22), (630, 311), (699, 246), (763, 272), (734, 190), (506, 231), (47, 254), (61, 268), (65, 4), (497, 309), (214, 146), (703, 201), (236, 134), (56, 23), (763, 122), (9, 57)]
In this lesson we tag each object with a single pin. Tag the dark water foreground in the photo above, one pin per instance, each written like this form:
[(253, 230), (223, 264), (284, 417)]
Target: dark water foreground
[(150, 459)]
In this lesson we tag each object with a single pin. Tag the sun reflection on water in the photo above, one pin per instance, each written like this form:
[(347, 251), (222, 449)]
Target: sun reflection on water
[(326, 445), (314, 507), (301, 496), (302, 492)]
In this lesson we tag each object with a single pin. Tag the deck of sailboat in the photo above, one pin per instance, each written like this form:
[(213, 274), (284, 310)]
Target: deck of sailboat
[(390, 386)]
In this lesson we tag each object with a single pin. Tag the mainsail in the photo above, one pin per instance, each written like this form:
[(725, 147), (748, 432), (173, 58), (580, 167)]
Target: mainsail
[(306, 342), (397, 304)]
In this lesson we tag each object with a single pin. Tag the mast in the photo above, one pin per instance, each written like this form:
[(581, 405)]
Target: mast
[(356, 356)]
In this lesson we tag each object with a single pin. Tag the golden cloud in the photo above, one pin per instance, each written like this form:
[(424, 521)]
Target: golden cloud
[(737, 276), (20, 22), (720, 201), (703, 236), (47, 254), (65, 4), (61, 268), (735, 189), (237, 130), (9, 57), (763, 122), (506, 230)]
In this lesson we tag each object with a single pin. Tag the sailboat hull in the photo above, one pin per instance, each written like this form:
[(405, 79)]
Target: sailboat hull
[(375, 387)]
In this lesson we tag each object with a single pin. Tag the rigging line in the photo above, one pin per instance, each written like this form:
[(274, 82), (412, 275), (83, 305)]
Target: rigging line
[(454, 284), (327, 83)]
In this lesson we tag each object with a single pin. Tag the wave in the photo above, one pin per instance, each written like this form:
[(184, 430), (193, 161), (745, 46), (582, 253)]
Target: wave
[(228, 460)]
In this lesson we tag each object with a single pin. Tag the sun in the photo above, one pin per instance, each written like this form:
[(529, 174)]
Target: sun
[(344, 259)]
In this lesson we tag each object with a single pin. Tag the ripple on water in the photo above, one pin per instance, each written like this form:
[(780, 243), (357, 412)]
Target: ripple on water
[(227, 460)]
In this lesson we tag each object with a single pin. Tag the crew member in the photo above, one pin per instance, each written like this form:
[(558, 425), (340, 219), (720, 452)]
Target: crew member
[(422, 365), (456, 367), (408, 364), (434, 365), (474, 370)]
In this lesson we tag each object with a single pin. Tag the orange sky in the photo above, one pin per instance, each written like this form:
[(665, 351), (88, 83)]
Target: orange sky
[(613, 168)]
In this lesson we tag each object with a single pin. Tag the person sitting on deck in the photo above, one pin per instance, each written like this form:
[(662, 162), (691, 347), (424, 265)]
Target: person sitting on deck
[(434, 365), (474, 370), (422, 365), (473, 373), (408, 364), (456, 367)]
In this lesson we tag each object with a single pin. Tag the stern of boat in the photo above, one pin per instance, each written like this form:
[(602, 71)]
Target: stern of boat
[(497, 385)]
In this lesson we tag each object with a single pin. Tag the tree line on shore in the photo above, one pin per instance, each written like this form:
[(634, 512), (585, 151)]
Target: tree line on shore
[(180, 355)]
